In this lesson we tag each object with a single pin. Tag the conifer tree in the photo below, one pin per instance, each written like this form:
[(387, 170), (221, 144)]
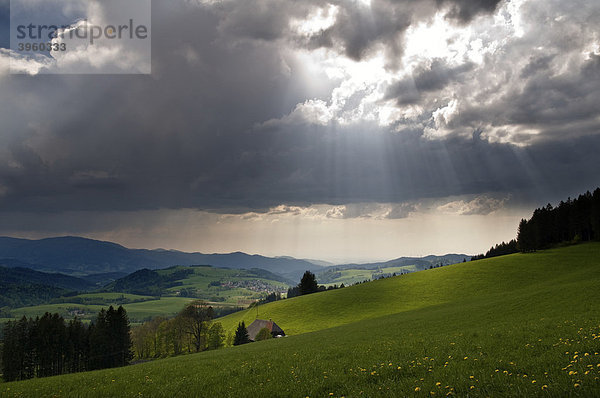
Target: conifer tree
[(308, 283), (241, 334)]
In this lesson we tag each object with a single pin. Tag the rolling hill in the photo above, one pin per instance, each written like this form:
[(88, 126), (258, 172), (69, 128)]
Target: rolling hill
[(353, 273), (520, 325), (23, 286), (164, 292), (26, 275), (81, 256)]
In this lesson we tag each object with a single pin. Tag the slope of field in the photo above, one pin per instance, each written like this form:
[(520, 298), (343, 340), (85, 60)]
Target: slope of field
[(455, 283), (521, 325)]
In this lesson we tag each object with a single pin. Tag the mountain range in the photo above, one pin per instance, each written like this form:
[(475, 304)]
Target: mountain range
[(99, 260), (82, 256)]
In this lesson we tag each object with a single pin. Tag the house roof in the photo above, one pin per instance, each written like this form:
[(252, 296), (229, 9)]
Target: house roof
[(259, 324)]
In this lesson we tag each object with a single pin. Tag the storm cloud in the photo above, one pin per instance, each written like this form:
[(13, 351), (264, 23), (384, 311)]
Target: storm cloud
[(247, 109)]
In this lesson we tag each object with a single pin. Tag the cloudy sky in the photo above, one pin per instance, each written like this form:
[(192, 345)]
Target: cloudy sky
[(341, 130)]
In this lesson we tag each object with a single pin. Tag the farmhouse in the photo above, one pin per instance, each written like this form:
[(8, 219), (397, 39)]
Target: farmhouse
[(259, 324)]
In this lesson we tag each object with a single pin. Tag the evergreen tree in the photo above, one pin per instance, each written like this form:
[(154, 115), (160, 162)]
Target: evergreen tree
[(122, 331), (571, 221), (100, 342), (241, 334), (12, 353), (50, 344), (77, 350), (308, 283)]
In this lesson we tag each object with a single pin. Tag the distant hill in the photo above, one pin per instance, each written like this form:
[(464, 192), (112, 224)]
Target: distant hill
[(104, 278), (164, 281), (23, 286), (88, 256), (353, 273), (26, 275), (421, 263)]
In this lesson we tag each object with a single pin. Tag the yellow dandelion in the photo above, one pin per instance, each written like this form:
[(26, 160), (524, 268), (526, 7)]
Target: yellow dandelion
[(576, 385), (533, 381), (417, 388), (438, 384), (465, 358), (545, 387), (472, 387)]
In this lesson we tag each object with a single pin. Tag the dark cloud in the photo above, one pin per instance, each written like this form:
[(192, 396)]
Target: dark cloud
[(537, 64), (427, 78), (465, 10), (358, 29), (192, 135), (4, 23)]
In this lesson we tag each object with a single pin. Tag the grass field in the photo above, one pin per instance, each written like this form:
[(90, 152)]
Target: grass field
[(520, 325)]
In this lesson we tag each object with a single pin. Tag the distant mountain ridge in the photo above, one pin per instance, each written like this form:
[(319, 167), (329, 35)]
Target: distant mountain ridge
[(420, 262), (86, 256)]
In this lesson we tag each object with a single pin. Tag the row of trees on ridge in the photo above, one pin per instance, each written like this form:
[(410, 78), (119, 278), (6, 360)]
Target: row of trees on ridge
[(576, 220), (573, 221)]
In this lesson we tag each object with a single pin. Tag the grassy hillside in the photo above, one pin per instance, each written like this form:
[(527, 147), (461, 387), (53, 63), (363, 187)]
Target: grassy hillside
[(518, 273), (521, 325)]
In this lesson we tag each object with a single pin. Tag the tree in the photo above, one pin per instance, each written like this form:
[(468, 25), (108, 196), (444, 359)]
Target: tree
[(196, 316), (216, 336), (293, 292), (241, 334), (77, 349), (263, 334), (308, 283), (121, 332), (99, 342), (110, 339)]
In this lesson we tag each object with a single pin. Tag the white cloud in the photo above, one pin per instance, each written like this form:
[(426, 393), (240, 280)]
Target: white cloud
[(12, 62), (481, 205)]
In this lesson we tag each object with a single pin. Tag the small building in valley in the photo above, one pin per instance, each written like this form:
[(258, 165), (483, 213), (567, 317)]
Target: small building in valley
[(259, 324)]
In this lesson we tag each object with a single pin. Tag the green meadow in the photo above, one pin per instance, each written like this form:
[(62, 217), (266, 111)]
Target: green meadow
[(146, 308), (521, 325)]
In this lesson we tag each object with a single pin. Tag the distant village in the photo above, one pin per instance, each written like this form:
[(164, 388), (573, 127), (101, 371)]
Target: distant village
[(256, 285)]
